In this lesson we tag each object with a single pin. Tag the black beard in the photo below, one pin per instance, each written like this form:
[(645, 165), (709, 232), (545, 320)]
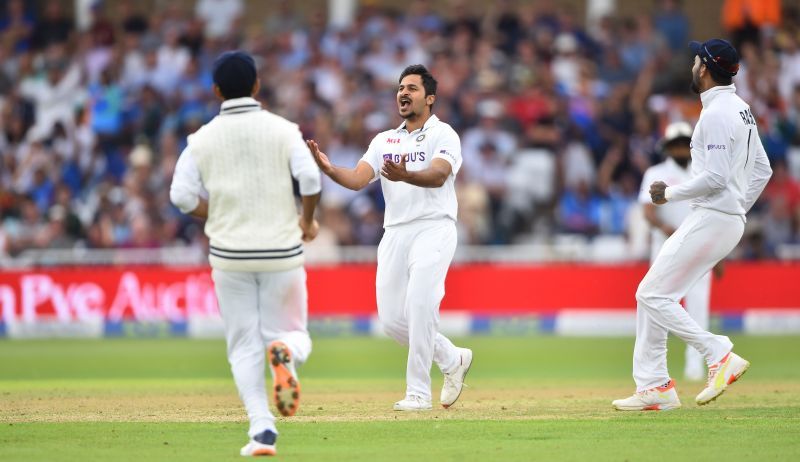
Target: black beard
[(682, 161), (695, 86)]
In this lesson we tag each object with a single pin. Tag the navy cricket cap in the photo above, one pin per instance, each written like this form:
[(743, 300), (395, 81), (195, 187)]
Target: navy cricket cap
[(234, 72), (718, 55)]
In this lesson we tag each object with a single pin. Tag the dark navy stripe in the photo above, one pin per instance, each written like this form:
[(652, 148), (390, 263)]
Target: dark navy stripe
[(230, 108), (273, 257), (240, 111), (257, 251)]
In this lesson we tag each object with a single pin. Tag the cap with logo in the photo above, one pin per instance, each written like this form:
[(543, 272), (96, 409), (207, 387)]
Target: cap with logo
[(718, 55)]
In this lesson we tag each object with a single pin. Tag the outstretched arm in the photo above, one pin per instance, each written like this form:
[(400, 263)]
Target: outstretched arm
[(351, 178)]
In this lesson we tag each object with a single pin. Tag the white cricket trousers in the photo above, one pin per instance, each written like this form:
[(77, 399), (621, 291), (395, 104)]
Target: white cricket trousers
[(704, 238), (696, 302), (257, 309), (413, 259)]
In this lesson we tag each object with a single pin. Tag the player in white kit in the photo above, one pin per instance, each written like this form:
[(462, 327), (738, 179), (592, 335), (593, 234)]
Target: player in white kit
[(729, 171), (416, 163), (665, 219), (236, 172)]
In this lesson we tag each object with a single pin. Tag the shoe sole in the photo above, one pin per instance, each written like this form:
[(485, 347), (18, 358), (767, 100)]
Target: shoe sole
[(447, 406), (286, 388), (264, 452), (413, 410), (734, 378), (654, 407)]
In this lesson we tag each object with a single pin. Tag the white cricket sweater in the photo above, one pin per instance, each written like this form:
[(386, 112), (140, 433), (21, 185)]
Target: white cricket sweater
[(245, 158)]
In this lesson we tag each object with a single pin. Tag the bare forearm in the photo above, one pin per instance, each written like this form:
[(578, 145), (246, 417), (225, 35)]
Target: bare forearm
[(309, 205), (347, 177), (201, 211), (428, 178), (651, 216)]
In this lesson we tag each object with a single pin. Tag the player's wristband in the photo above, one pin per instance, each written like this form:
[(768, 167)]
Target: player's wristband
[(668, 193)]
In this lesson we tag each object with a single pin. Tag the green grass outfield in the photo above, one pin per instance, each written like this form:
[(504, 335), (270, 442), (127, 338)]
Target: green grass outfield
[(529, 398)]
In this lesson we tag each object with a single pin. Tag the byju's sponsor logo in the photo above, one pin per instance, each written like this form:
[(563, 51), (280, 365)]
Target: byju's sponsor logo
[(711, 147), (418, 156)]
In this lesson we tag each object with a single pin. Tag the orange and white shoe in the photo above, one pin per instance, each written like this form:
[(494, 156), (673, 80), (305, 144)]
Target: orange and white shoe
[(720, 375), (285, 386), (663, 398), (262, 444)]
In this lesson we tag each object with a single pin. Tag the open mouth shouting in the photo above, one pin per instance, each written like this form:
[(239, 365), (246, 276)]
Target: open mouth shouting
[(404, 102)]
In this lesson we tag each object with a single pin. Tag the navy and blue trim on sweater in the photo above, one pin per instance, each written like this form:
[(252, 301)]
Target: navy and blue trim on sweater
[(265, 254), (239, 108)]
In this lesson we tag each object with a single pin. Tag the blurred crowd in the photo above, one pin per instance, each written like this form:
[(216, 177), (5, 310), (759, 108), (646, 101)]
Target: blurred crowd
[(558, 121)]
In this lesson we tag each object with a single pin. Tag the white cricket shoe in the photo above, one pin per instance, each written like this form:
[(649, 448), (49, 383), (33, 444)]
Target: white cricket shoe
[(262, 444), (663, 398), (720, 375), (454, 381), (412, 403)]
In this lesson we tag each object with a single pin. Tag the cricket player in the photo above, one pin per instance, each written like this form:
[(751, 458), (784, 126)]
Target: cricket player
[(665, 219), (236, 172), (416, 163), (729, 171)]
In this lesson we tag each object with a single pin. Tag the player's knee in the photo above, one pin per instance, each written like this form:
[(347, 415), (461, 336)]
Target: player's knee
[(649, 299), (644, 295)]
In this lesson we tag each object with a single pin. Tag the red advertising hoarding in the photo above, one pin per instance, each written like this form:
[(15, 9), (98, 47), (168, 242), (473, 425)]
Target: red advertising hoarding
[(173, 294)]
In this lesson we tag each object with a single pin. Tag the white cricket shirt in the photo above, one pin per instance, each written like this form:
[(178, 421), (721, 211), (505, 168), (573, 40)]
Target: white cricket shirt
[(729, 165), (405, 202)]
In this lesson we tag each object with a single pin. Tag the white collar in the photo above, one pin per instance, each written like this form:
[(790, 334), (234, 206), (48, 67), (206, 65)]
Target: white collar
[(709, 95), (237, 105), (428, 123)]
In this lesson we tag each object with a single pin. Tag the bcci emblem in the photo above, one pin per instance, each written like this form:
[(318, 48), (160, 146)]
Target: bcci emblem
[(420, 138)]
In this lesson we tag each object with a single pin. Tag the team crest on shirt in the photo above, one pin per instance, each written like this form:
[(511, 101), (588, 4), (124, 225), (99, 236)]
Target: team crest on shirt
[(420, 138)]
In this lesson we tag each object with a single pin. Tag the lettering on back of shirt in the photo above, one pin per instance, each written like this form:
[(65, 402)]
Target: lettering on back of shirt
[(747, 117)]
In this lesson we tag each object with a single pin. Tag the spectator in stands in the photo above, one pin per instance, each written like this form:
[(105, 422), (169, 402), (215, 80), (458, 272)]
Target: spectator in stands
[(53, 28), (16, 27), (532, 92), (221, 17)]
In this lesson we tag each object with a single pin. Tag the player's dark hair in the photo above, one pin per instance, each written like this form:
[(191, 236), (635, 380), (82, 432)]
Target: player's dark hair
[(428, 82), (718, 77)]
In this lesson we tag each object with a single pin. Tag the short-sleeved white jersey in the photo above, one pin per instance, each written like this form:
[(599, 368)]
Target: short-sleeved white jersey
[(405, 202)]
